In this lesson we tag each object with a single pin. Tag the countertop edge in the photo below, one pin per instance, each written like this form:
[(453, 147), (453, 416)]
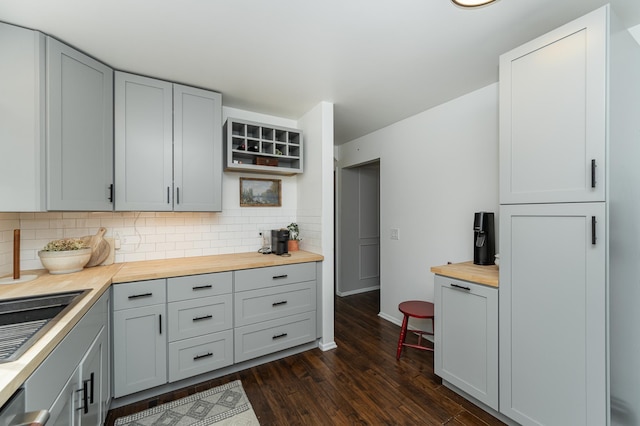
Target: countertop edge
[(467, 271)]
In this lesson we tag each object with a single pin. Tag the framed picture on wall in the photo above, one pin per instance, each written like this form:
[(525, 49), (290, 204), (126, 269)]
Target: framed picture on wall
[(255, 192)]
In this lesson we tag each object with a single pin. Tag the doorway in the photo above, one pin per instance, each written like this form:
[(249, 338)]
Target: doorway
[(359, 239)]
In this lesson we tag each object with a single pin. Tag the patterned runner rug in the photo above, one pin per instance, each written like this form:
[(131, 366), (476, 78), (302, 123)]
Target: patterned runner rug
[(224, 405)]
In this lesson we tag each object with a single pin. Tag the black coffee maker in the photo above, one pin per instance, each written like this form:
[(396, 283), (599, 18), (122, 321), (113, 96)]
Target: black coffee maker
[(279, 241), (484, 237)]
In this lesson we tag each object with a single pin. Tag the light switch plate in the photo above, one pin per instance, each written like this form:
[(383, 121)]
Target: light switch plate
[(395, 233)]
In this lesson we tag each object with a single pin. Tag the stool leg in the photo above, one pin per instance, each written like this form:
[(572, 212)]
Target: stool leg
[(403, 335)]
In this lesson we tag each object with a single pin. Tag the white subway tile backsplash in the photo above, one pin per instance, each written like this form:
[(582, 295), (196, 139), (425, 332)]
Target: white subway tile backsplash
[(147, 235)]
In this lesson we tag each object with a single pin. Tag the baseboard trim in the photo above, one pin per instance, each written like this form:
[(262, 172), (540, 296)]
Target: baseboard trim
[(357, 291)]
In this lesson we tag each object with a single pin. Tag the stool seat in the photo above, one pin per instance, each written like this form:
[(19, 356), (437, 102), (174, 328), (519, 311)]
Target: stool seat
[(417, 309), (414, 309)]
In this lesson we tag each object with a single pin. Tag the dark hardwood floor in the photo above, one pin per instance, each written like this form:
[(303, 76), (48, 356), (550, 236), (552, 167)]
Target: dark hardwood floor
[(359, 383)]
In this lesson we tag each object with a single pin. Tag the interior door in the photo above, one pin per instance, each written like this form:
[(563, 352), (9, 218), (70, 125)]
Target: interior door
[(360, 230)]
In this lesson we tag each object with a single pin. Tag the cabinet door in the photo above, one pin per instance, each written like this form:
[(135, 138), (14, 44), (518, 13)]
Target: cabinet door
[(553, 115), (91, 369), (139, 349), (553, 314), (466, 337), (197, 149), (22, 122), (143, 143), (79, 130), (64, 410)]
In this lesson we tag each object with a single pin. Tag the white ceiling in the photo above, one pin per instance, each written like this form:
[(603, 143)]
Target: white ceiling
[(377, 61)]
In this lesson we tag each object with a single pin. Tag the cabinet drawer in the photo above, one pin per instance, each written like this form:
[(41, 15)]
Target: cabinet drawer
[(255, 340), (198, 355), (274, 302), (139, 293), (197, 286), (251, 279), (196, 317)]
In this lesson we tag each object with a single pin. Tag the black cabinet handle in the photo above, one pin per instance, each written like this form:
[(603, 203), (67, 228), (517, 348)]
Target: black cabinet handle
[(283, 302), (85, 397), (160, 323), (111, 193), (593, 230), (178, 195), (137, 296), (279, 336), (201, 287), (202, 318), (593, 173), (277, 277), (207, 355), (91, 390), (168, 202), (461, 287)]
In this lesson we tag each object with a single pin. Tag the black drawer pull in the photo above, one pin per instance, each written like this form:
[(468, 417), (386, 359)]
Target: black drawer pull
[(461, 287), (593, 173), (207, 355), (283, 302), (201, 287), (279, 336), (202, 318), (160, 323), (593, 230), (138, 296), (280, 276)]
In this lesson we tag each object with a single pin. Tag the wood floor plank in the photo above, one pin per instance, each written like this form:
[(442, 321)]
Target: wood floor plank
[(358, 383)]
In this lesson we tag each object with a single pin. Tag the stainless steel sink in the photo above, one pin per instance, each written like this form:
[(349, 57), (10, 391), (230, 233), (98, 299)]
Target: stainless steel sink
[(24, 320)]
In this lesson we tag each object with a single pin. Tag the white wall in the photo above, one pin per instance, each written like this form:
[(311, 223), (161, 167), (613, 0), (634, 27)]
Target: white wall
[(436, 169), (316, 205)]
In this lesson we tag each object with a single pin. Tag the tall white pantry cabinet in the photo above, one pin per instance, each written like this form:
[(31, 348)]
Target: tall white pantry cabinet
[(569, 137)]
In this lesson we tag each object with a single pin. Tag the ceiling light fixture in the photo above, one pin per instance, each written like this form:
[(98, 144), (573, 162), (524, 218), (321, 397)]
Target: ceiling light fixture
[(471, 3)]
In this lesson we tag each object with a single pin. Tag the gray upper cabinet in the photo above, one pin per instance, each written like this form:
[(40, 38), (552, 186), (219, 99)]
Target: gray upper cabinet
[(22, 122), (553, 116), (168, 145), (197, 148), (143, 143), (56, 125), (80, 130)]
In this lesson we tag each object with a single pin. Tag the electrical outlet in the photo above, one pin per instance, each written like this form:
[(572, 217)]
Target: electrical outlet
[(395, 233)]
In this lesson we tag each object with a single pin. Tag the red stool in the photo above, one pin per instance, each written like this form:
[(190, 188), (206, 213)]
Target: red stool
[(415, 309)]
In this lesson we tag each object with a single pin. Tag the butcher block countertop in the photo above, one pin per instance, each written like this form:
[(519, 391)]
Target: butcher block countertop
[(481, 274), (98, 280)]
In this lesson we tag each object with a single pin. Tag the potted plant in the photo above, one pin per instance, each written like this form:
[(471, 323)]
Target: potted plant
[(294, 237), (65, 256)]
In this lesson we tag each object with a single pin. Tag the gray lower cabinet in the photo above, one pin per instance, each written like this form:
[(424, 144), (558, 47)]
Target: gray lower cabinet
[(168, 146), (200, 313), (139, 336), (275, 309), (466, 337), (79, 130), (212, 321), (73, 381), (79, 402)]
